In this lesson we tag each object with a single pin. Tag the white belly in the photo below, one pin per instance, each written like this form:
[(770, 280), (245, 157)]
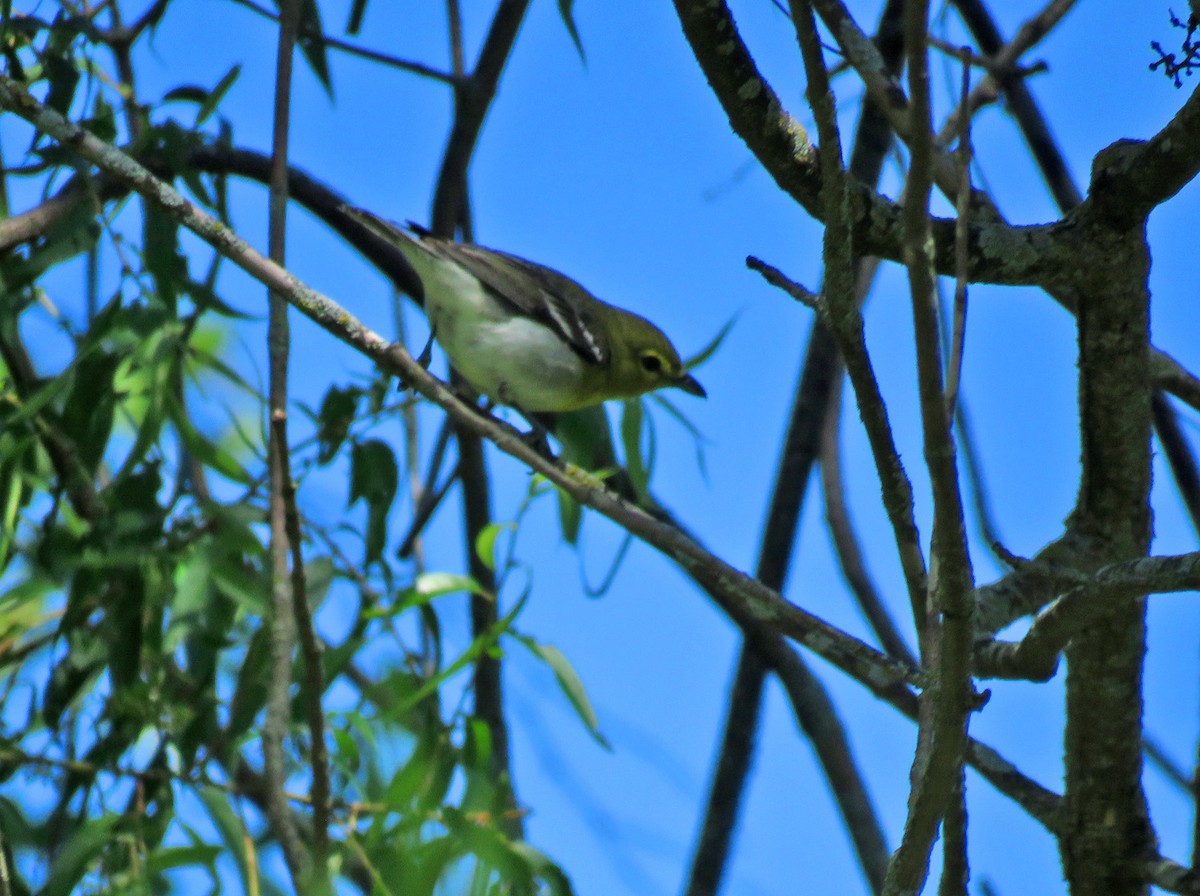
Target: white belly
[(513, 360)]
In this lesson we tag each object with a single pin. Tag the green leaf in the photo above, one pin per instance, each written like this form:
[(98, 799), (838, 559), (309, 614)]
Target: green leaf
[(66, 238), (63, 78), (481, 645), (374, 477), (81, 851), (433, 858), (567, 12), (424, 589), (544, 869), (339, 407), (80, 665), (637, 466), (570, 517), (207, 300), (570, 683), (709, 350), (87, 417), (697, 436), (23, 609), (204, 449), (124, 626), (587, 442), (345, 755), (232, 832), (422, 782), (169, 857), (311, 39), (250, 694), (210, 103), (485, 542), (492, 848), (161, 254), (477, 750), (319, 572), (434, 584), (239, 582), (103, 122), (186, 93)]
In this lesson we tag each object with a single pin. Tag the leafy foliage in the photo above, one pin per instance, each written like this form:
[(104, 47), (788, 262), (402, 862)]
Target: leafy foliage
[(134, 572)]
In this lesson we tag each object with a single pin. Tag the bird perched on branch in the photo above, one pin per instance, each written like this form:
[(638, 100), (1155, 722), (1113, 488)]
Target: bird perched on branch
[(526, 335)]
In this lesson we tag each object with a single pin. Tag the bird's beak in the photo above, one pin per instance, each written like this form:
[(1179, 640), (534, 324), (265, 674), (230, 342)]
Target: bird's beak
[(691, 385)]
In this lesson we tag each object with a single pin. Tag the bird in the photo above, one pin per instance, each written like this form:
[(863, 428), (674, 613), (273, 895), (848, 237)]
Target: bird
[(524, 334)]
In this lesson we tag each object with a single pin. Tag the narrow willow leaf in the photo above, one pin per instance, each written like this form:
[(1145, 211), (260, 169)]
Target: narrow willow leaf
[(570, 683)]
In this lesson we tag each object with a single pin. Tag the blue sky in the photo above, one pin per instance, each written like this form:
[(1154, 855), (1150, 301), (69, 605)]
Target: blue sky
[(625, 174)]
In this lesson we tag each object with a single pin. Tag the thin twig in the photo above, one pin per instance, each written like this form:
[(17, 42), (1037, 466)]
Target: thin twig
[(5, 879), (1003, 72), (1034, 127), (846, 545), (846, 324), (955, 867), (946, 639), (777, 278), (980, 501), (1161, 759), (961, 263), (968, 57), (454, 20), (1180, 458), (472, 101), (428, 494), (816, 391), (126, 35), (282, 621), (416, 68), (814, 708), (903, 114), (411, 545)]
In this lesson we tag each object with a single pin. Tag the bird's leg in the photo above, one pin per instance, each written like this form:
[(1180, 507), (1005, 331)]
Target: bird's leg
[(423, 359), (538, 437), (426, 355)]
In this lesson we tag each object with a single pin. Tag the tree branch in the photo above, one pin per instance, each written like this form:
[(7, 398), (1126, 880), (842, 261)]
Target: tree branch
[(734, 590), (1035, 656), (282, 622)]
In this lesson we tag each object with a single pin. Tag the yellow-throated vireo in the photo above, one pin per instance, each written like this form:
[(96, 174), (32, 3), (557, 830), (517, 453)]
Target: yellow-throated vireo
[(526, 335)]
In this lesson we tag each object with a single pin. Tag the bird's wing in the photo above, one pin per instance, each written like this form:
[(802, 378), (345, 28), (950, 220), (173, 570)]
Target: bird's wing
[(550, 298)]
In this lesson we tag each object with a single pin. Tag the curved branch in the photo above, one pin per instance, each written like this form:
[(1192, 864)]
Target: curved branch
[(1035, 656), (472, 99), (734, 590), (998, 253), (1132, 177)]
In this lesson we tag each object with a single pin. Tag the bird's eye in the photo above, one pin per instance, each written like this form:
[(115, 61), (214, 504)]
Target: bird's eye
[(652, 363)]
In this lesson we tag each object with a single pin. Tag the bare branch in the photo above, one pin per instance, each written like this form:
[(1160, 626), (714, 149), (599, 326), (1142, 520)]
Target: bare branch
[(846, 545), (711, 853), (963, 208), (282, 622), (1131, 178), (1002, 69), (1035, 656), (776, 277)]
